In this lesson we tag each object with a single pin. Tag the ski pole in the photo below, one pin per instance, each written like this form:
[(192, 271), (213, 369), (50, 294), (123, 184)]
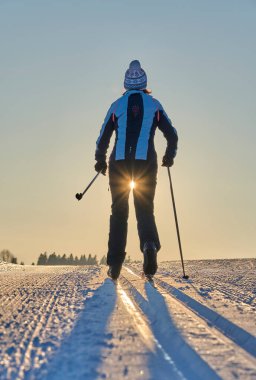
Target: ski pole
[(79, 196), (176, 222)]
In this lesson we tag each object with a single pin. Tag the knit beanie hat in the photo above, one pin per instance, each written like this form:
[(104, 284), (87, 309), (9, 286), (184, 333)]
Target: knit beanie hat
[(135, 77)]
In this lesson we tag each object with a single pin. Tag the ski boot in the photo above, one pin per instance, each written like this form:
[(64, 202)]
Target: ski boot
[(150, 259), (114, 271)]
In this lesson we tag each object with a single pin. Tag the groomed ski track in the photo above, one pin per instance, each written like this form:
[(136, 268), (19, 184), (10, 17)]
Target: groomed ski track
[(74, 323), (190, 334)]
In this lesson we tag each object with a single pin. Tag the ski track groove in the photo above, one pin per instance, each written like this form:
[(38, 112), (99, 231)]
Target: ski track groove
[(218, 297), (41, 322), (21, 296), (26, 352), (36, 326), (144, 329), (236, 330), (232, 289), (185, 353), (232, 293), (215, 336), (226, 327)]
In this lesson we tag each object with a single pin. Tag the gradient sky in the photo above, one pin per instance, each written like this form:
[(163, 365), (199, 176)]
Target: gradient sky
[(62, 64)]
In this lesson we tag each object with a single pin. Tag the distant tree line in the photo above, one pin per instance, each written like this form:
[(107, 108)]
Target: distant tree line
[(53, 259), (8, 257)]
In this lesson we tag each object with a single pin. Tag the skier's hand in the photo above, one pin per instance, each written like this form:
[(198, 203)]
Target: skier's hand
[(167, 161), (101, 166)]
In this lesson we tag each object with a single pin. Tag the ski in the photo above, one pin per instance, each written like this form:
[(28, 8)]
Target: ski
[(149, 278)]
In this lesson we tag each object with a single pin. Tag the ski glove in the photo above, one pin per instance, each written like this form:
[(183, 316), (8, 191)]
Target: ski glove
[(167, 161), (101, 166)]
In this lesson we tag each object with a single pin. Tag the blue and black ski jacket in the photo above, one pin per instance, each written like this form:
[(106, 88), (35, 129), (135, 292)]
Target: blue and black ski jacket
[(134, 117)]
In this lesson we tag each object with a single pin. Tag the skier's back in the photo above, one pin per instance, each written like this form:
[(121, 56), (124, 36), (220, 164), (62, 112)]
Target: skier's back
[(134, 117)]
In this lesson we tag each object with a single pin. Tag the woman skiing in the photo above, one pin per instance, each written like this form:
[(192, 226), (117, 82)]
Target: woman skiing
[(134, 117)]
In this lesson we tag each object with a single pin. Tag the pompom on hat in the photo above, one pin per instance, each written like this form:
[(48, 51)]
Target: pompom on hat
[(135, 77)]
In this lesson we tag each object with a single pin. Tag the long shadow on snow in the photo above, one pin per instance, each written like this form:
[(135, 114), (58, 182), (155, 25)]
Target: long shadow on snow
[(191, 365), (240, 336), (79, 355)]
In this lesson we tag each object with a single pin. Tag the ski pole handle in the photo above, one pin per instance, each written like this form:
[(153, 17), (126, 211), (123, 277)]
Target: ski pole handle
[(79, 196)]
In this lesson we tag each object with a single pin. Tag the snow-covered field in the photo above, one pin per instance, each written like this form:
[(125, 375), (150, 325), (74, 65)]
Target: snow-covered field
[(74, 323)]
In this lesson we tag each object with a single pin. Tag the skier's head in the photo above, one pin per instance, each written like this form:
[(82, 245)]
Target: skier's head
[(135, 77)]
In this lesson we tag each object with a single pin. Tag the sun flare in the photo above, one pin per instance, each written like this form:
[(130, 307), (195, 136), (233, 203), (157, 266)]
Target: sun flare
[(132, 185)]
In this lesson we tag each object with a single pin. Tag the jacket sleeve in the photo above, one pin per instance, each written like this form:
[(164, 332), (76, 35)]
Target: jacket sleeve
[(169, 132), (106, 132)]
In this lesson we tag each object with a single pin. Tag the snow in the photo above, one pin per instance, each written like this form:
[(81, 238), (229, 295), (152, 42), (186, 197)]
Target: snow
[(67, 322)]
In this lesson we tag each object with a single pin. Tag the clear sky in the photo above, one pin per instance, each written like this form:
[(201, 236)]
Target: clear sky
[(62, 65)]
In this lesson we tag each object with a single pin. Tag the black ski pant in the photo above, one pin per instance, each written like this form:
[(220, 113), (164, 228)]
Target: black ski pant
[(121, 173)]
